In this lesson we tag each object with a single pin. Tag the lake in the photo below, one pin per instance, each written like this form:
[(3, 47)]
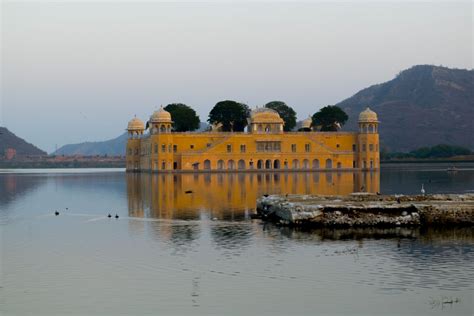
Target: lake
[(184, 244)]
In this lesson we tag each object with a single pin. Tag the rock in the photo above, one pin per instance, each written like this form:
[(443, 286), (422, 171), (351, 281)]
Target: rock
[(368, 210)]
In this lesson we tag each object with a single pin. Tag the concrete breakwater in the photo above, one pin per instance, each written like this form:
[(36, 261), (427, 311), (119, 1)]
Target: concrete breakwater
[(368, 210)]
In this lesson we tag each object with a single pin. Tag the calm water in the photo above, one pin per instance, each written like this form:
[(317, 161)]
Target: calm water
[(178, 253)]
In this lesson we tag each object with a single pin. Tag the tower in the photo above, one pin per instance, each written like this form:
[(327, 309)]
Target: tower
[(135, 131), (368, 141), (160, 143), (160, 122)]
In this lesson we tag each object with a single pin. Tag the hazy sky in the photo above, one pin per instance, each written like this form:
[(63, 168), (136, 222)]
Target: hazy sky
[(77, 71)]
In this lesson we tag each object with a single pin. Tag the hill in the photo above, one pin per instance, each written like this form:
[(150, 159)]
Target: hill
[(112, 147), (23, 148), (423, 106)]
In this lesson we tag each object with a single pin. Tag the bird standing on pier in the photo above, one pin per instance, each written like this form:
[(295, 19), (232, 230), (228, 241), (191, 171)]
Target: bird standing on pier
[(422, 189)]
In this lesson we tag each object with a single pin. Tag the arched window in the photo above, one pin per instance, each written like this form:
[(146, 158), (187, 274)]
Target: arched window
[(230, 165), (207, 164), (276, 164), (315, 164), (339, 165), (306, 164), (328, 164), (220, 164), (162, 128), (260, 164), (268, 164), (295, 164), (241, 164)]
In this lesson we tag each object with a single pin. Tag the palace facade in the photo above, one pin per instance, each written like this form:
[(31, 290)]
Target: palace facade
[(264, 147)]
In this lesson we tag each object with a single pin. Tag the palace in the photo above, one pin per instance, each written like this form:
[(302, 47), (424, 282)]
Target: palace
[(264, 147)]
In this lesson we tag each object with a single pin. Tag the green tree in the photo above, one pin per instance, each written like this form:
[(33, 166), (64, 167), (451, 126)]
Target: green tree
[(184, 117), (286, 113), (329, 117), (440, 151), (231, 114)]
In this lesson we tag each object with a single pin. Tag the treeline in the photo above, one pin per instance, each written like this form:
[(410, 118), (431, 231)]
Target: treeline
[(232, 116), (438, 151)]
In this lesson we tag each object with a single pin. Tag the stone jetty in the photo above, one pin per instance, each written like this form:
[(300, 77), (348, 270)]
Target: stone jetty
[(368, 210)]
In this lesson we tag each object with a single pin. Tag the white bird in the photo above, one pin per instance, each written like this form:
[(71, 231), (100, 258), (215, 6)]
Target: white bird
[(422, 189)]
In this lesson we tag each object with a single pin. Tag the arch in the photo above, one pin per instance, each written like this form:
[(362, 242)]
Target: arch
[(315, 164), (371, 164), (162, 128), (306, 164), (259, 127), (241, 164), (220, 164), (295, 164), (230, 165), (328, 163), (260, 164), (267, 128), (276, 164), (207, 164), (339, 165), (268, 164)]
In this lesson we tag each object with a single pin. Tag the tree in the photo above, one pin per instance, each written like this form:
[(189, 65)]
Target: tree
[(232, 115), (286, 113), (329, 118), (184, 117)]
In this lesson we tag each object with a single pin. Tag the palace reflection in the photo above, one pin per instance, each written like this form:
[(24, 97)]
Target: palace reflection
[(231, 196)]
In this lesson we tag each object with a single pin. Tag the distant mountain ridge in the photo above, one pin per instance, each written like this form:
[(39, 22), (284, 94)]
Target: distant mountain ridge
[(22, 147), (424, 105), (112, 147)]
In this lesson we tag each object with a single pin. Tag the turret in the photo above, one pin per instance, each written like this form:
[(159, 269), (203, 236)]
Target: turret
[(265, 120), (135, 129), (160, 122), (368, 140)]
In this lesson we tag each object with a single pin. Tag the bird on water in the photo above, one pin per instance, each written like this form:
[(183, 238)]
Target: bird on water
[(56, 213), (116, 216), (422, 189), (109, 216)]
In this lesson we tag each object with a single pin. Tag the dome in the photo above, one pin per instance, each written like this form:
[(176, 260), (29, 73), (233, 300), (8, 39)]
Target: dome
[(160, 116), (307, 122), (265, 115), (368, 116), (135, 124)]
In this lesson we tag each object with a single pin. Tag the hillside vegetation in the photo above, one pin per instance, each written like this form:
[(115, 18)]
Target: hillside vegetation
[(23, 148), (423, 106)]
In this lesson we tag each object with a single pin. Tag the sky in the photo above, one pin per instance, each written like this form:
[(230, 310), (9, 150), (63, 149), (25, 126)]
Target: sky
[(78, 71)]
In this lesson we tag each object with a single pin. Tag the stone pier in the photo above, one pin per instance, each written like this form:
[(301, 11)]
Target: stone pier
[(368, 210)]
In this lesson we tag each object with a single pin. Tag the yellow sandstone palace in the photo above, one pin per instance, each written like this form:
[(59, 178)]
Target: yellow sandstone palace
[(264, 147)]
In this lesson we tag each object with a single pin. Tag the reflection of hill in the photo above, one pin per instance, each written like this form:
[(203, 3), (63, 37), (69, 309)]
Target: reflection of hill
[(231, 196), (12, 186)]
